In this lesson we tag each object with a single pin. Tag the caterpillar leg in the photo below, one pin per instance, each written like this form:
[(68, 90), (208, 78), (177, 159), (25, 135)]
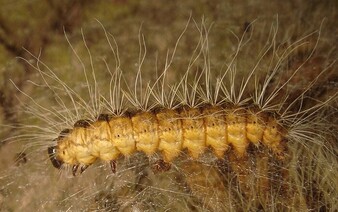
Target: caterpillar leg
[(161, 166), (113, 166), (83, 168), (74, 169)]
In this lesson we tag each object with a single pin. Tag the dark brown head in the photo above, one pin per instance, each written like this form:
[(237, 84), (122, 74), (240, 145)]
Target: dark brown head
[(52, 156)]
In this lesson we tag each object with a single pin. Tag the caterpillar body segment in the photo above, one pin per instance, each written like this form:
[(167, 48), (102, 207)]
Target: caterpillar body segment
[(169, 131), (193, 131), (122, 134), (255, 126), (236, 128), (145, 133), (170, 134), (273, 137), (216, 130), (101, 144)]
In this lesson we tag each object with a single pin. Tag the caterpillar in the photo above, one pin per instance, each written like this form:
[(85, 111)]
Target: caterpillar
[(253, 129), (168, 131)]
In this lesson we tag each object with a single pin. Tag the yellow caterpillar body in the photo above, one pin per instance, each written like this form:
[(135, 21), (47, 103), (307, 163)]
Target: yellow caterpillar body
[(169, 131)]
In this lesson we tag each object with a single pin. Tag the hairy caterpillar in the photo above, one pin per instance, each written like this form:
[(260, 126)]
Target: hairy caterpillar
[(198, 99), (169, 131)]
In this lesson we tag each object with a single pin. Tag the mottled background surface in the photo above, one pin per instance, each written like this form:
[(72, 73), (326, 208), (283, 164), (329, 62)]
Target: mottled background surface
[(39, 27)]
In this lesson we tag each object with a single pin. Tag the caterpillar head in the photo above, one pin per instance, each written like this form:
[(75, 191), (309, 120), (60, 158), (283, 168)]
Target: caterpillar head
[(52, 153)]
